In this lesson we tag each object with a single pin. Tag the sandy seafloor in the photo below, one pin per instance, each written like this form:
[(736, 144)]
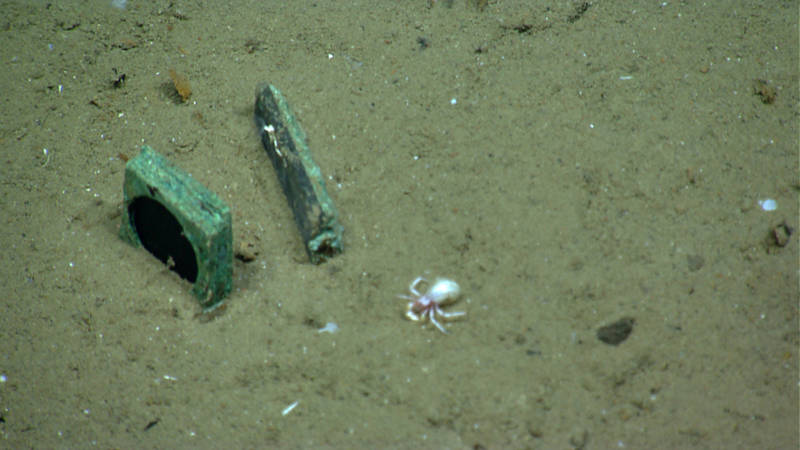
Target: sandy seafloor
[(569, 164)]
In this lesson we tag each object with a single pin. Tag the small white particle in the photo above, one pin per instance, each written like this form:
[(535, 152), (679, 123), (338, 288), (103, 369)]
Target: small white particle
[(329, 327), (453, 101), (289, 408), (768, 204)]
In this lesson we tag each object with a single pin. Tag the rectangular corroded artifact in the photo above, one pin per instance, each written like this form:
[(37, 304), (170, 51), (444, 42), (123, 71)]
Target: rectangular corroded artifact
[(180, 222)]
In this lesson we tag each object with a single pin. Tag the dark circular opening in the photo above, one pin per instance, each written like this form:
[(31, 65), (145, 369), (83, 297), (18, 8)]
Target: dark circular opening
[(162, 235)]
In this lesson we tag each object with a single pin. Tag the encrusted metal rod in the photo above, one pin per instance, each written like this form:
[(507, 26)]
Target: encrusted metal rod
[(300, 177)]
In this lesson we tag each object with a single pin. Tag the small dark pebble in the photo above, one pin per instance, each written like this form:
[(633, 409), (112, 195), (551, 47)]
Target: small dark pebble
[(781, 234), (615, 333), (152, 423), (767, 93)]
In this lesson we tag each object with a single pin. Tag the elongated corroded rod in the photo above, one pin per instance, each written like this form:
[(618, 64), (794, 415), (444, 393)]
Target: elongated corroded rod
[(300, 177)]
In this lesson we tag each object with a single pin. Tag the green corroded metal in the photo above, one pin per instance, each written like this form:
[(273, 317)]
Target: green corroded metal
[(180, 222), (300, 177)]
